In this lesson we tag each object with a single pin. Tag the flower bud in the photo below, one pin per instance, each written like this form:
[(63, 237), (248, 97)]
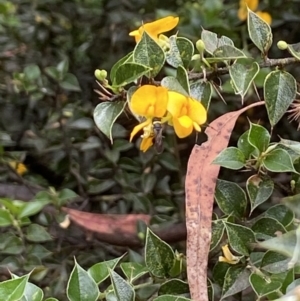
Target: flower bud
[(100, 74), (282, 45), (200, 46)]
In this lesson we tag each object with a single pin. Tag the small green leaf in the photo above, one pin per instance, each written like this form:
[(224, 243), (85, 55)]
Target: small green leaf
[(262, 287), (5, 218), (259, 32), (258, 137), (240, 238), (70, 83), (242, 74), (32, 72), (183, 79), (279, 92), (228, 52), (244, 145), (126, 59), (37, 233), (32, 208), (123, 290), (294, 50), (284, 244), (231, 198), (159, 256), (259, 189), (174, 286), (172, 84), (202, 91), (129, 72), (180, 52), (148, 53), (63, 67), (274, 263), (32, 293), (53, 73), (133, 270), (293, 203), (81, 286), (106, 114), (13, 289), (65, 195), (212, 42), (281, 213), (278, 160), (236, 280), (100, 271), (13, 246), (231, 158)]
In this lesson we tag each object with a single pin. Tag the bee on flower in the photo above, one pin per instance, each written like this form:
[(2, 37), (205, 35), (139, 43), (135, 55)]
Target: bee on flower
[(158, 105)]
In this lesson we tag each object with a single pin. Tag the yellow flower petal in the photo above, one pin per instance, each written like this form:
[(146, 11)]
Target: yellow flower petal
[(149, 101), (177, 104), (265, 16), (180, 130), (197, 111), (20, 168), (139, 127), (228, 256), (252, 4), (146, 143), (155, 28)]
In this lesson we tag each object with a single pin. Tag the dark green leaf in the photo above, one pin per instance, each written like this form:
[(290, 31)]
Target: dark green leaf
[(148, 53), (127, 58), (228, 52), (70, 83), (259, 189), (279, 92), (174, 286), (294, 50), (231, 157), (37, 233), (159, 256), (106, 114), (267, 227), (281, 213), (231, 198), (259, 32), (218, 229), (240, 238), (244, 145)]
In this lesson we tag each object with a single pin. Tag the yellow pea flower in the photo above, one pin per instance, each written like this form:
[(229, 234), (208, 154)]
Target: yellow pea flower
[(20, 168), (186, 113), (154, 29), (252, 4), (228, 256), (148, 101)]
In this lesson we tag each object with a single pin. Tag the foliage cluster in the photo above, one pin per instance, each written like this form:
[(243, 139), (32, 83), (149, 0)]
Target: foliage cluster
[(49, 51)]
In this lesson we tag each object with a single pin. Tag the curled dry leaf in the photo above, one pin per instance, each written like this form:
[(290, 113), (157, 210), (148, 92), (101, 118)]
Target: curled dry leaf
[(200, 187), (121, 229)]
